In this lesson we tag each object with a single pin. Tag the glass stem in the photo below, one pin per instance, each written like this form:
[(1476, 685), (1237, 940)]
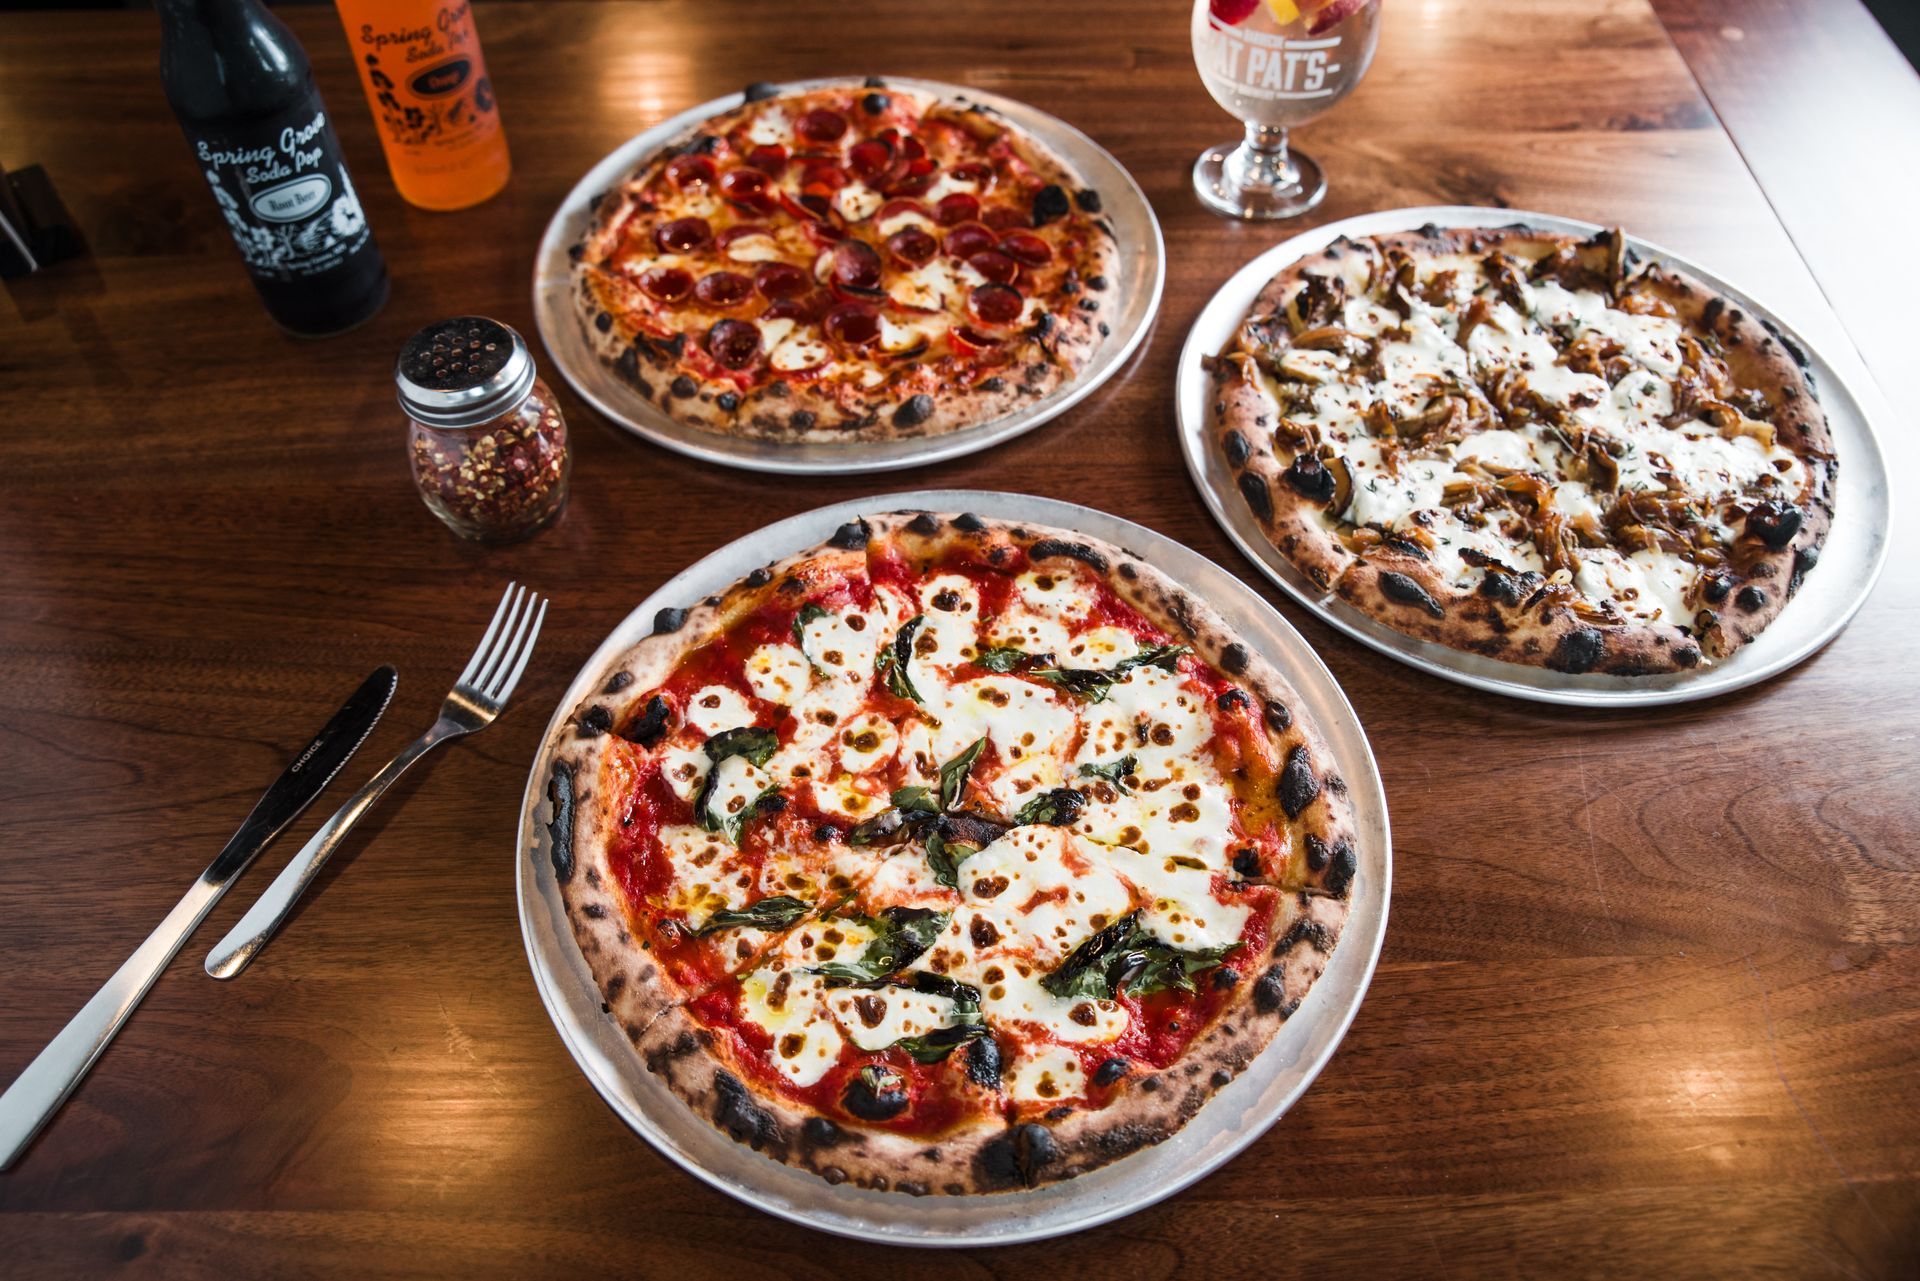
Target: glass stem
[(1264, 160)]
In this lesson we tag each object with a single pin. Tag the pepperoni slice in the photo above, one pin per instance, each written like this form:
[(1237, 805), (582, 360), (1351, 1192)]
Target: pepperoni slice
[(821, 125), (668, 284), (913, 246), (682, 235), (734, 343), (780, 280), (968, 239), (913, 180), (909, 147), (968, 339), (815, 203), (974, 171), (870, 158), (852, 324), (995, 266), (957, 208), (894, 208), (824, 174), (770, 160), (1024, 246), (689, 172), (741, 231), (995, 304), (1005, 218), (856, 266), (723, 289), (748, 188), (806, 309)]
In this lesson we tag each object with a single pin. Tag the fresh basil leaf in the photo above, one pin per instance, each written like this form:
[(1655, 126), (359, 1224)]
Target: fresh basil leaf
[(749, 741), (1088, 685), (891, 663), (1059, 807), (913, 800), (774, 913), (1124, 957), (1093, 686), (808, 612), (1003, 658), (945, 858), (965, 996), (953, 775), (1114, 772), (935, 1046), (902, 934), (735, 823)]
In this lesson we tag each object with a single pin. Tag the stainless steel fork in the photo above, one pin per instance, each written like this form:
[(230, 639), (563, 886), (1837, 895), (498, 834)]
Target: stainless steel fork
[(471, 705)]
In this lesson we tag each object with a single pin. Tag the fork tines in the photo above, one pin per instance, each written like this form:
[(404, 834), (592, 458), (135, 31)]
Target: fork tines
[(503, 652)]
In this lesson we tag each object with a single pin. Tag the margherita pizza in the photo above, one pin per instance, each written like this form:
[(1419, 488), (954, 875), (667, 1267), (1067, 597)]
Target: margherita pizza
[(950, 856), (856, 262), (1529, 446)]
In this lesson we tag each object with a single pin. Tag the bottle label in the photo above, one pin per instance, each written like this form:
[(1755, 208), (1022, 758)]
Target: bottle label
[(427, 79), (286, 197)]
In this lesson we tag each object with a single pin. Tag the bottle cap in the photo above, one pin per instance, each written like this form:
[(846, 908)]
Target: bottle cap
[(463, 372)]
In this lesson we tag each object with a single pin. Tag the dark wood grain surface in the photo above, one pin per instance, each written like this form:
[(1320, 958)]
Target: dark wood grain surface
[(1650, 1000)]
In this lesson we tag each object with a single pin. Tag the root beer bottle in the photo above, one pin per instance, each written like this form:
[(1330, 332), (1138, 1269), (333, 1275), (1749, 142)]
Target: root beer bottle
[(427, 84), (240, 84)]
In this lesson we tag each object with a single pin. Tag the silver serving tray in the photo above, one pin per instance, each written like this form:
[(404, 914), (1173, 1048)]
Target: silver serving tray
[(1850, 562), (1235, 1117), (1139, 274)]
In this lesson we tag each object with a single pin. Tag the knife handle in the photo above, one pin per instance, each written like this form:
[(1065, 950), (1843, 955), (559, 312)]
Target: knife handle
[(38, 1092), (243, 942)]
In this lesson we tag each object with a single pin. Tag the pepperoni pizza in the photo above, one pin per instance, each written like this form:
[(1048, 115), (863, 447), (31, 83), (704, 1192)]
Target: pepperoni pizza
[(854, 262)]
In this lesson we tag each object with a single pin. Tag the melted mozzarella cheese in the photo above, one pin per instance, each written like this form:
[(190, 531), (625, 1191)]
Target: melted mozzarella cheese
[(717, 708), (929, 287), (857, 202), (778, 673), (754, 249), (866, 742), (771, 128), (790, 1007), (1036, 884), (1059, 593), (1025, 630), (1028, 724), (704, 879), (799, 351), (904, 218), (1046, 1074), (685, 769), (874, 1020), (736, 784), (1181, 908), (1649, 585)]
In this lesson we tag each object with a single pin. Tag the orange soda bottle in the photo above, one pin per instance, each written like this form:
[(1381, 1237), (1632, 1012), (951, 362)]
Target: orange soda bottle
[(426, 81)]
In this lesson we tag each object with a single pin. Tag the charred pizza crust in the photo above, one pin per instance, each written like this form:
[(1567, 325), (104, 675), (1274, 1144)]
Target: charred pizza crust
[(910, 398), (1014, 1150), (1514, 614)]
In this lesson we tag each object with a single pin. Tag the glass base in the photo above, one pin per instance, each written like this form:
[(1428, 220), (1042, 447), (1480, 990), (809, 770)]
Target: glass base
[(1237, 181)]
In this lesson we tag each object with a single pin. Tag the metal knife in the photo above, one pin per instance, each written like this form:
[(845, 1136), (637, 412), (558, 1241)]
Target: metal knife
[(37, 1093)]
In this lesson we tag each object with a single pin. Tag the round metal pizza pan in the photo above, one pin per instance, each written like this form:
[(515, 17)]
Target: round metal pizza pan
[(1238, 1115), (1139, 274), (1850, 562)]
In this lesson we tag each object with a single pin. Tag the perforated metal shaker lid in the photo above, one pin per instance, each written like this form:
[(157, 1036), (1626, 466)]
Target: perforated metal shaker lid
[(463, 372)]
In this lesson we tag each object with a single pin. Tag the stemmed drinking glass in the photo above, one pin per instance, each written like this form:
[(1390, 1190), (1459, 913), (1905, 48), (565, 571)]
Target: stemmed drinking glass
[(1274, 64)]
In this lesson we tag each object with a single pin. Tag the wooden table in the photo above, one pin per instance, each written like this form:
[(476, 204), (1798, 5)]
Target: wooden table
[(1648, 999)]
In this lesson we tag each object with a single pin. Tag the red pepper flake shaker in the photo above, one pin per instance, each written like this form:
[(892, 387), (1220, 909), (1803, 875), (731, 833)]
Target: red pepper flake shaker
[(485, 437)]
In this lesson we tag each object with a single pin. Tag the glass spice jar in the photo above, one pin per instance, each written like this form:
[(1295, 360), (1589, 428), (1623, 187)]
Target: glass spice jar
[(484, 435)]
